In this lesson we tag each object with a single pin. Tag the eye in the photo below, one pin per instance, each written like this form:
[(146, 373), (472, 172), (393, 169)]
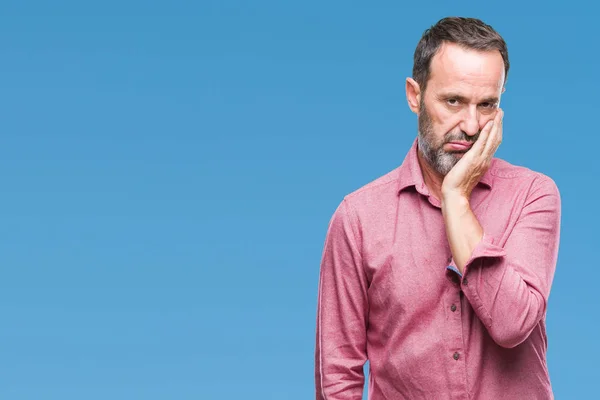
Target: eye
[(452, 101), (488, 105)]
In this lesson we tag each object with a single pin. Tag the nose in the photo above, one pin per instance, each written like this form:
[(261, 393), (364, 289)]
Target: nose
[(470, 121)]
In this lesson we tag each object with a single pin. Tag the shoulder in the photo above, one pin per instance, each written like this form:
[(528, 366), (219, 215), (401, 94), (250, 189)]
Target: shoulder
[(367, 208), (369, 201), (515, 177), (376, 193)]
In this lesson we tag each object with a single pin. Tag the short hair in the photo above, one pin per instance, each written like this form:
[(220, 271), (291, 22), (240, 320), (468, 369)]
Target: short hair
[(470, 33)]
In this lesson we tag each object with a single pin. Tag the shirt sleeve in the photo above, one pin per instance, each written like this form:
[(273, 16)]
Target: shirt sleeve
[(508, 286), (342, 311)]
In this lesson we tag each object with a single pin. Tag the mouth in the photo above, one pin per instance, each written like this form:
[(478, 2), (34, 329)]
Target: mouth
[(459, 146)]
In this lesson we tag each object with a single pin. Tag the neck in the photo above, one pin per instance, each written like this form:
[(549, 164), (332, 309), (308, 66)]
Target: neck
[(432, 179)]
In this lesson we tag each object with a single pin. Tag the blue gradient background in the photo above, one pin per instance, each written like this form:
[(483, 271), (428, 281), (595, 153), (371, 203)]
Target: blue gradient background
[(169, 170)]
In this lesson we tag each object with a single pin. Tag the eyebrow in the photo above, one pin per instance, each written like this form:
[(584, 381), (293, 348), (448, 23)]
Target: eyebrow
[(463, 99)]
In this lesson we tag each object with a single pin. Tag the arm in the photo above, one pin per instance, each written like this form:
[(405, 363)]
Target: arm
[(340, 352), (508, 286), (462, 229)]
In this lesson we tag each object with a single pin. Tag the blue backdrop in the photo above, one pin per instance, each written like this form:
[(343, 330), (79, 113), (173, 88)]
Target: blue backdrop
[(169, 170)]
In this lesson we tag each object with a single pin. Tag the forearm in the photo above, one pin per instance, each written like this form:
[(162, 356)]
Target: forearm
[(462, 228), (509, 273)]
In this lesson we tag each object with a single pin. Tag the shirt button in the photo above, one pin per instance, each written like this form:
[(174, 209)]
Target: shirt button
[(456, 355), (449, 260), (453, 307), (465, 281)]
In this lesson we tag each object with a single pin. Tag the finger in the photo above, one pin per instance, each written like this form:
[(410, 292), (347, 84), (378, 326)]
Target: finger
[(495, 136), (481, 142)]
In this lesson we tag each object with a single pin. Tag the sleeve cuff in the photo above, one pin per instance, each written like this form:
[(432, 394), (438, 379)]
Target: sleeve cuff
[(485, 248), (453, 268)]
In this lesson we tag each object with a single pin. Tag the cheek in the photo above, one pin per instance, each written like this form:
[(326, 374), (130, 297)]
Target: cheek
[(440, 116), (449, 123), (445, 123)]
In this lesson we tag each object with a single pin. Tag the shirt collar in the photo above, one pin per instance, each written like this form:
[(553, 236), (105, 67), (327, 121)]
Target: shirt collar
[(410, 173)]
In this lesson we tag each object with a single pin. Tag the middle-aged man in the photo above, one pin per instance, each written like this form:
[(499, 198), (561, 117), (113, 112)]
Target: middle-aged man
[(438, 273)]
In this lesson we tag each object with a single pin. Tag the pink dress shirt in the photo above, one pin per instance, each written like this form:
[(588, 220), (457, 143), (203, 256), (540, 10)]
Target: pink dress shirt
[(390, 293)]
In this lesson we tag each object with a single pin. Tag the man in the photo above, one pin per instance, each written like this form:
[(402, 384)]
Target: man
[(439, 272)]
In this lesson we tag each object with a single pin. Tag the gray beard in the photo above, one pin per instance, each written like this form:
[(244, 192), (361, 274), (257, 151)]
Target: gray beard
[(439, 160)]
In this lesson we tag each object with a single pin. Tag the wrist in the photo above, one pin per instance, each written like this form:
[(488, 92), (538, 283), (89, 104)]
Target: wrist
[(454, 199)]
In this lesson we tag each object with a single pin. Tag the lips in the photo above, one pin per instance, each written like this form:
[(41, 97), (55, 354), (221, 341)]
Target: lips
[(459, 146)]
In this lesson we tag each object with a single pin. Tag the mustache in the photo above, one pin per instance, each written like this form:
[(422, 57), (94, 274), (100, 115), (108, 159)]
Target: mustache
[(461, 137)]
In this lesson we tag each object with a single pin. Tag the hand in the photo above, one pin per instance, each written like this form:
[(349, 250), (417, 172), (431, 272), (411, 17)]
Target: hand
[(463, 177)]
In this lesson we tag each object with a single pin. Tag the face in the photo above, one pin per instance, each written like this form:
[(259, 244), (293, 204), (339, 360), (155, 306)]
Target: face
[(462, 95)]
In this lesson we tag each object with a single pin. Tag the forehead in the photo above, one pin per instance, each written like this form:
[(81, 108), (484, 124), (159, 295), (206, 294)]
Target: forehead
[(472, 71)]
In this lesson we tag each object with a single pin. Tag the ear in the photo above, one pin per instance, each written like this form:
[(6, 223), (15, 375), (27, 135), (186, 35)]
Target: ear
[(413, 95), (501, 93)]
